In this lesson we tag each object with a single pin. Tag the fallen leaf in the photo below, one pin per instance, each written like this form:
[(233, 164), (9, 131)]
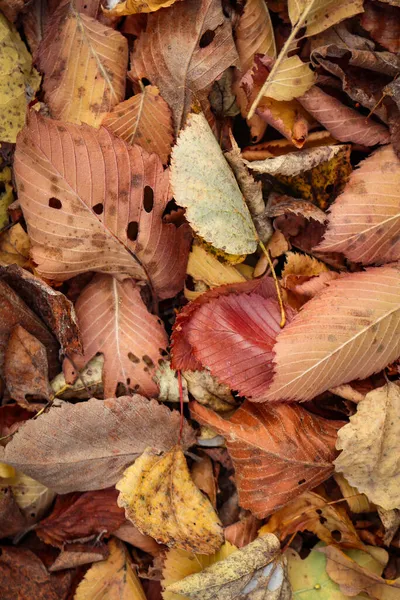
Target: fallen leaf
[(117, 431), (243, 532), (131, 534), (71, 215), (161, 499), (111, 578), (374, 237), (19, 81), (76, 555), (84, 65), (114, 320), (182, 51), (288, 205), (205, 388), (12, 8), (33, 498), (259, 568), (197, 182), (354, 579), (203, 477), (14, 246), (330, 522), (132, 7), (88, 384), (144, 119), (343, 122), (357, 503), (12, 416), (391, 522), (81, 516), (6, 197), (167, 381), (358, 330), (278, 451), (369, 457), (303, 277), (274, 148), (204, 266), (12, 521), (382, 24)]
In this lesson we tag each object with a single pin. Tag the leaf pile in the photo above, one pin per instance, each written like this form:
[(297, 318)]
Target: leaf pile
[(200, 299)]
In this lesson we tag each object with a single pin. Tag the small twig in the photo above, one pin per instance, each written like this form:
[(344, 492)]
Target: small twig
[(181, 405), (277, 286)]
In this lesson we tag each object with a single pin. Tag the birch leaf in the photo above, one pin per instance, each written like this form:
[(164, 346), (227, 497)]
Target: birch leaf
[(203, 183)]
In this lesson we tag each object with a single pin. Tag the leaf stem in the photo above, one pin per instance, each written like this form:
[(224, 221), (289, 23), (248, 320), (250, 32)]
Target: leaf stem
[(181, 405), (278, 289)]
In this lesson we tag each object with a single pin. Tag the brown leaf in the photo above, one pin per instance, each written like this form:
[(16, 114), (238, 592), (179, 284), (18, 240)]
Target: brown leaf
[(70, 205), (278, 451), (202, 473), (84, 64), (52, 449), (144, 119), (275, 148), (12, 416), (12, 521), (81, 517), (131, 534), (383, 24), (23, 576), (372, 196), (12, 8), (284, 205), (51, 306), (183, 50), (344, 123), (26, 369), (76, 555), (15, 312), (14, 246), (243, 532), (114, 320)]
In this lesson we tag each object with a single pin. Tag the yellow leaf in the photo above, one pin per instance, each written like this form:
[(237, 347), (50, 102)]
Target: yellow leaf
[(32, 497), (133, 7), (179, 564), (256, 571), (14, 246), (6, 197), (318, 15), (161, 499), (302, 264), (18, 81), (6, 470), (204, 266), (292, 79), (111, 579)]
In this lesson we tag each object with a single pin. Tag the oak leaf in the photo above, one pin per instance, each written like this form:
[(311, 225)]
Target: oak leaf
[(258, 570), (161, 499), (84, 64), (183, 51), (114, 320), (369, 457), (372, 191), (113, 578), (144, 119), (312, 352), (278, 451), (203, 183), (52, 449), (70, 206)]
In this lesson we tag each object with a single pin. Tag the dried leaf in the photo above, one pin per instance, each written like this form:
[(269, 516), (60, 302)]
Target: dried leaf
[(274, 148), (6, 197), (369, 458), (19, 81), (200, 176), (279, 451), (382, 23), (312, 352), (52, 449), (243, 532), (113, 578), (391, 522), (132, 7), (144, 119), (161, 499), (343, 122), (203, 477), (288, 205), (76, 555), (84, 64), (81, 516), (294, 163), (33, 498), (12, 521), (204, 266), (207, 390), (14, 246), (70, 206), (178, 55), (372, 192), (131, 534), (114, 320), (89, 383), (12, 8), (256, 569)]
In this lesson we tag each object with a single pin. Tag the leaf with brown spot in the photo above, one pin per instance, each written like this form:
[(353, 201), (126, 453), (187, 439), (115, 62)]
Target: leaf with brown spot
[(161, 499), (279, 451), (132, 7), (26, 370), (53, 450), (114, 320), (84, 64), (33, 498), (97, 215)]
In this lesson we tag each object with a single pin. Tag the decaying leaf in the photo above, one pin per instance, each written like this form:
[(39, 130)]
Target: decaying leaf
[(256, 571), (89, 383), (132, 7), (369, 458), (243, 532), (382, 23), (70, 206), (14, 246), (200, 175), (111, 578), (19, 81), (12, 520), (294, 163), (161, 499), (144, 119), (33, 498), (114, 320), (52, 449), (178, 55), (391, 522), (312, 352), (279, 451), (206, 389), (76, 555), (274, 148), (84, 64)]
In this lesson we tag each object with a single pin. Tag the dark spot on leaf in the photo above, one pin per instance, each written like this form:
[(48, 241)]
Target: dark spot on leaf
[(148, 199), (55, 203), (147, 360), (133, 230), (98, 208), (206, 38), (318, 511), (322, 520), (337, 536), (133, 358), (301, 482), (145, 81)]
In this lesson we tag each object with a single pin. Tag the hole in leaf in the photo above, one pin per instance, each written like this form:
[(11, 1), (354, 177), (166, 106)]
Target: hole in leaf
[(318, 511), (132, 230), (55, 203), (133, 358), (98, 208), (300, 33), (171, 207), (145, 81), (337, 536), (206, 38), (148, 199), (301, 482), (329, 188), (322, 520)]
